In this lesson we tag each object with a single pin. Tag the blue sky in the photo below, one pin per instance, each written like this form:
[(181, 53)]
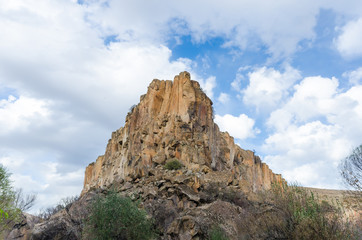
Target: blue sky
[(285, 78)]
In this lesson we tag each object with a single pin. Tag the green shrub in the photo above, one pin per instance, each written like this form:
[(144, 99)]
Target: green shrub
[(217, 233), (9, 212), (173, 164), (305, 217), (116, 217)]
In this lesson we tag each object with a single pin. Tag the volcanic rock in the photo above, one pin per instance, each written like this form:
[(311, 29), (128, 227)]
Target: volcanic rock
[(174, 119)]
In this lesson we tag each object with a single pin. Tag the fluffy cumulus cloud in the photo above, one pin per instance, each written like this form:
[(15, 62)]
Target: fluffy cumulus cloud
[(280, 26), (70, 70), (69, 90), (313, 98), (240, 127), (348, 42), (268, 87), (62, 54), (313, 131), (244, 24)]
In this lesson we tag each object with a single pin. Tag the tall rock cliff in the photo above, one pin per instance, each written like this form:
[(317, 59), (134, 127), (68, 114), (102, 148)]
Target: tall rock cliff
[(174, 119), (214, 188)]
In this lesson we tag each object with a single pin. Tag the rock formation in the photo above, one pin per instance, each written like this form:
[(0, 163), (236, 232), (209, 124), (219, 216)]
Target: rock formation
[(175, 120), (214, 187)]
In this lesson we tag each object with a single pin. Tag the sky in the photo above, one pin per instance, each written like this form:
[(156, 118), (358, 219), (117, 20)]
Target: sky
[(285, 77)]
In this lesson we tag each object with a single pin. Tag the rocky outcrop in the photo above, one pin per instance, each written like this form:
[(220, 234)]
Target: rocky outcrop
[(66, 224), (181, 213), (182, 203), (217, 186), (22, 229), (175, 120)]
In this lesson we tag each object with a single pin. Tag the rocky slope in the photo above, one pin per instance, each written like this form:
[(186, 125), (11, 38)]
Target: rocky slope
[(175, 120)]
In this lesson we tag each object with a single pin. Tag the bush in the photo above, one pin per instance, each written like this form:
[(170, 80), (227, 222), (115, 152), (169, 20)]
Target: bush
[(116, 217), (173, 164), (217, 233), (305, 217)]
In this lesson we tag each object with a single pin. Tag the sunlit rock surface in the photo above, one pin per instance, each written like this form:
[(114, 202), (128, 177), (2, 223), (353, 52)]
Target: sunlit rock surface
[(174, 119)]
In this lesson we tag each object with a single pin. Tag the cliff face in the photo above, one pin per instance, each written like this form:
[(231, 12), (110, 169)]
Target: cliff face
[(175, 120), (214, 188)]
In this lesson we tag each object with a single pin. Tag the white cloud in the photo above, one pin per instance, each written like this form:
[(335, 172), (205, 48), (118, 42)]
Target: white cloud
[(208, 85), (52, 187), (62, 54), (279, 27), (313, 98), (244, 24), (310, 175), (354, 77), (313, 131), (236, 84), (18, 114), (73, 91), (14, 163), (239, 77), (268, 87), (241, 127), (47, 183), (348, 42), (224, 98), (308, 153)]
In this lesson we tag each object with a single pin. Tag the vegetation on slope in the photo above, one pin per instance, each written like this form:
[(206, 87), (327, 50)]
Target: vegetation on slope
[(12, 202), (173, 164), (305, 217), (116, 217)]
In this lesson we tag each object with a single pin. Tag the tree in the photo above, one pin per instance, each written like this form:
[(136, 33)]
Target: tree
[(24, 201), (351, 169), (7, 201), (12, 202)]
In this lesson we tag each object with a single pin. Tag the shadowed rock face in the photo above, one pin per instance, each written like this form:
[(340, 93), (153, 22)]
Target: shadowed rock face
[(175, 120)]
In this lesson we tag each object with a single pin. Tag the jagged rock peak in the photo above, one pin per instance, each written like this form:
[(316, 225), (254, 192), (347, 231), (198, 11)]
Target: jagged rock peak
[(174, 119), (180, 97)]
